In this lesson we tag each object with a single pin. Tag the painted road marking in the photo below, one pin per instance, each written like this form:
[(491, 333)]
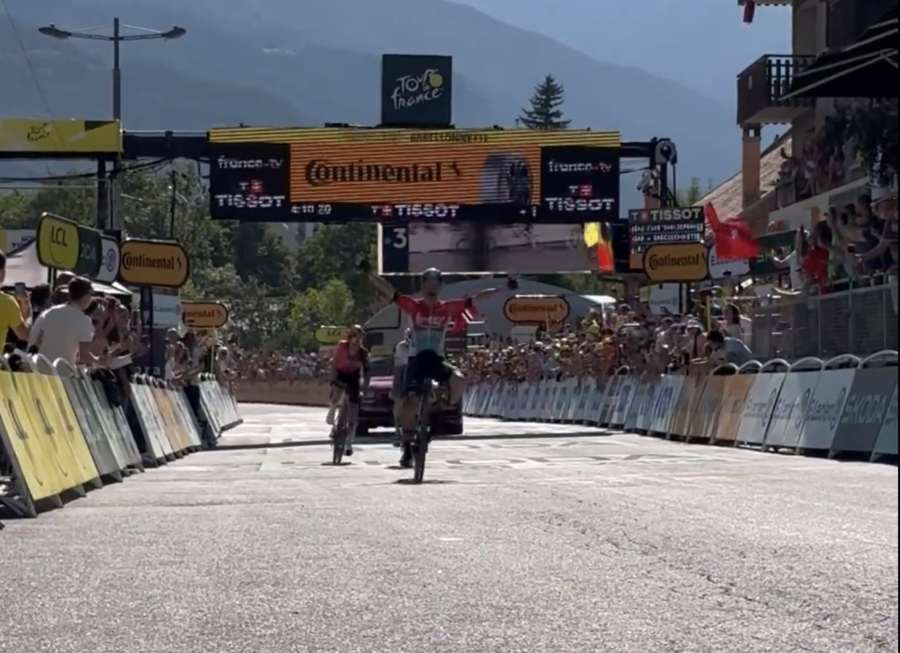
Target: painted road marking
[(521, 462)]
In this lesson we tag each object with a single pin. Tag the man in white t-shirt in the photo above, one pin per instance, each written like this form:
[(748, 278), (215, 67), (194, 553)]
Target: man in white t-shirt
[(64, 331)]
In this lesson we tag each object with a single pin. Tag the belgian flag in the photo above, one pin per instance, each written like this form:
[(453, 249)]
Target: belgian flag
[(596, 234)]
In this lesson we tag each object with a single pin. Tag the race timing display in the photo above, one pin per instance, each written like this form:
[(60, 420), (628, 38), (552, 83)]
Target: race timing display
[(400, 175)]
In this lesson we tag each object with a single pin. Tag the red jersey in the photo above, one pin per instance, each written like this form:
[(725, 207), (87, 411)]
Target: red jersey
[(345, 361), (815, 264), (430, 322)]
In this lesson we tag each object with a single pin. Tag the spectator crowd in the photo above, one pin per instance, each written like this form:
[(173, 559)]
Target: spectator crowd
[(280, 365), (604, 342)]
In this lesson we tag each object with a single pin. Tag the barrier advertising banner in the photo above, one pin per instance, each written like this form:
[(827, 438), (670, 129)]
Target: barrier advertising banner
[(735, 391), (825, 407), (865, 409), (758, 408), (887, 437), (786, 422)]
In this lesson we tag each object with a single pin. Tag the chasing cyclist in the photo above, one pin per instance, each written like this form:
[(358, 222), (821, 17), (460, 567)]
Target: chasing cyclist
[(430, 318), (349, 360)]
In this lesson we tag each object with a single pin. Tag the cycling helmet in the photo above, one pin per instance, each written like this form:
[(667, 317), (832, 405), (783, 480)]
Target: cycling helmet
[(356, 330), (432, 274)]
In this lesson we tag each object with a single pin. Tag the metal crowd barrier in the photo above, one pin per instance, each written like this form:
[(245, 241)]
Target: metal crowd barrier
[(862, 320), (63, 432), (846, 406)]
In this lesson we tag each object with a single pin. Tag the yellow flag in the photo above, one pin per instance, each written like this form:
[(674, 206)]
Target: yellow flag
[(592, 234)]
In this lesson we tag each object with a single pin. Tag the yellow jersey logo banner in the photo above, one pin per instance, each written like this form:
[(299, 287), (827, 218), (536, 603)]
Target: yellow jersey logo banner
[(87, 137)]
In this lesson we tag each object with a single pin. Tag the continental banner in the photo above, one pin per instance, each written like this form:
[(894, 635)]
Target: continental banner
[(347, 174), (154, 263), (62, 138)]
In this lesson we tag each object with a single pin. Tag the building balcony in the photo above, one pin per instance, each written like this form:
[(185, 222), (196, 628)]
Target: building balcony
[(761, 85)]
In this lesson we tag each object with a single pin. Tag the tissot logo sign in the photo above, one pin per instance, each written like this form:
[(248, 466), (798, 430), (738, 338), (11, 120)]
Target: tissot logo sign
[(248, 179), (416, 90), (582, 182)]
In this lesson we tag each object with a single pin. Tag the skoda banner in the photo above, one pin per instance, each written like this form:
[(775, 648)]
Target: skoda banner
[(865, 408)]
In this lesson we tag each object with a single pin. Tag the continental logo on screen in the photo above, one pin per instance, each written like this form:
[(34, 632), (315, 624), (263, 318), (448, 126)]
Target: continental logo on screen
[(368, 166)]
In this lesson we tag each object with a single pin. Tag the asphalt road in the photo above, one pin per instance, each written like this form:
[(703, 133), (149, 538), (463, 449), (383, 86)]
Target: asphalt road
[(559, 541)]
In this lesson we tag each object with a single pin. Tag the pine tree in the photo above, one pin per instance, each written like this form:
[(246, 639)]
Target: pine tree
[(691, 195), (546, 103)]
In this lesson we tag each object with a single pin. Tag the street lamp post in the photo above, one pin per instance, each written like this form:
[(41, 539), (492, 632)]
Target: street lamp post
[(116, 38)]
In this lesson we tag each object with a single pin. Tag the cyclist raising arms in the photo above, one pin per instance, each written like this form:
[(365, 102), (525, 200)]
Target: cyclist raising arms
[(430, 319), (350, 358)]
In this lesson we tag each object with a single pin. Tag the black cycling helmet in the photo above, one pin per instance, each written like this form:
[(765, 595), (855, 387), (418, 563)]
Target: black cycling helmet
[(432, 274)]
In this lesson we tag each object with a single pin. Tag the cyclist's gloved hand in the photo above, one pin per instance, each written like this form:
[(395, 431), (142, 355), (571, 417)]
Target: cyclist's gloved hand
[(512, 283)]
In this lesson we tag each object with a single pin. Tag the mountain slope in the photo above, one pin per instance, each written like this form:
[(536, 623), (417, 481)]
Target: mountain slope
[(322, 61), (702, 44), (76, 83)]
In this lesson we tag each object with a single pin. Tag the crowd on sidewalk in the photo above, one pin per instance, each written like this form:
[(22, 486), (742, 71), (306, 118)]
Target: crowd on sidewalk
[(602, 343)]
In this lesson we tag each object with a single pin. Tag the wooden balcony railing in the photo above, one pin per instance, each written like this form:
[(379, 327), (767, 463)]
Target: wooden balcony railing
[(761, 85)]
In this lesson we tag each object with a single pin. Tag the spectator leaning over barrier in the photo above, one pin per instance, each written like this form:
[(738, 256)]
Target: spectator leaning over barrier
[(65, 331), (726, 349), (15, 314)]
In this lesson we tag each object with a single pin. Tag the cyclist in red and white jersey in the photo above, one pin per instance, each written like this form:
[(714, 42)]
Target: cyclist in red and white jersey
[(350, 360), (430, 319)]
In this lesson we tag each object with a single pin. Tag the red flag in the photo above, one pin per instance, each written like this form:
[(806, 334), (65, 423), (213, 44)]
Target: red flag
[(734, 241), (749, 11)]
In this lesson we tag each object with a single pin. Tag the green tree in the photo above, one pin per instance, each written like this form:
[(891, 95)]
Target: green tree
[(692, 195), (330, 305), (276, 298), (545, 106), (334, 252)]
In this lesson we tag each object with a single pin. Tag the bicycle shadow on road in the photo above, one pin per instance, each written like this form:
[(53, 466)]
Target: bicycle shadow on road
[(427, 481)]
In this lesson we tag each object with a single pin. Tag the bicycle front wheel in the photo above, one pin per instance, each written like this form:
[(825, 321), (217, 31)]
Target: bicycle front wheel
[(421, 443), (340, 438)]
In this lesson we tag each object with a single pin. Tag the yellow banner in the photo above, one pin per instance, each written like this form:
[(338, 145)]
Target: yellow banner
[(60, 136), (331, 335)]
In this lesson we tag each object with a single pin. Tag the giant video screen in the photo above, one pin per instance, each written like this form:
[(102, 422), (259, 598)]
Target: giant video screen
[(399, 175)]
